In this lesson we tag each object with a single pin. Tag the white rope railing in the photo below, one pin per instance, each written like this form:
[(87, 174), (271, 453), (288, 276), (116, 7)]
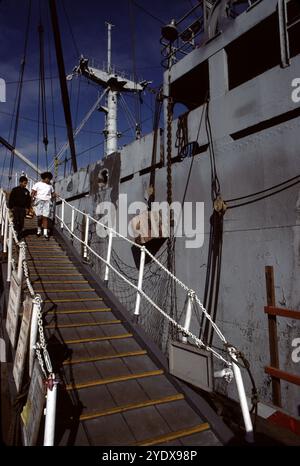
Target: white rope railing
[(232, 366), (182, 329), (37, 345)]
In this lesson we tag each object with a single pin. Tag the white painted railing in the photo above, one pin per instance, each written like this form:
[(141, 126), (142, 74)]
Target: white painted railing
[(231, 364), (37, 345)]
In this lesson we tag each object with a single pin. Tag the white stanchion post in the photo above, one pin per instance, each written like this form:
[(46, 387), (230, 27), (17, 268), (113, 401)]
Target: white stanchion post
[(9, 254), (5, 231), (109, 248), (3, 217), (50, 412), (242, 396), (33, 334), (1, 206), (140, 282), (62, 214), (72, 220), (20, 265), (188, 315), (86, 236)]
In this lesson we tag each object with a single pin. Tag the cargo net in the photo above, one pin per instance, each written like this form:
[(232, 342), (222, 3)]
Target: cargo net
[(156, 284), (166, 302)]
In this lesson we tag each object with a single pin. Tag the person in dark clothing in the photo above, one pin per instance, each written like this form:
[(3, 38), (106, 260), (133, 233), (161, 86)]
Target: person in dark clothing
[(19, 202)]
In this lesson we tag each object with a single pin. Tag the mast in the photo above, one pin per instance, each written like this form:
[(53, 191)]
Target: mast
[(114, 84), (62, 79), (112, 104)]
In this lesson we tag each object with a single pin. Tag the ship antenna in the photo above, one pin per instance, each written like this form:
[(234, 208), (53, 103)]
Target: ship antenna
[(109, 28)]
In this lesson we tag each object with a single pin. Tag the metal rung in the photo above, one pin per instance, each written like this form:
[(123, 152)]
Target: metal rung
[(129, 407), (67, 268), (56, 275), (84, 290), (75, 300), (61, 282), (121, 378), (105, 358), (93, 339), (79, 311), (174, 435), (85, 324)]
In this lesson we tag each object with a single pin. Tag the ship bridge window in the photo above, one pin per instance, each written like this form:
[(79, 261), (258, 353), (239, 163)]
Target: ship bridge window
[(254, 52), (192, 89)]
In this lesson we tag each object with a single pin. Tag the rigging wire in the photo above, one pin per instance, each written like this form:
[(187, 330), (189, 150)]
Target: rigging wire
[(18, 98), (252, 201), (77, 101), (42, 92), (38, 133), (215, 247), (51, 88), (215, 184), (137, 100), (148, 12), (286, 185), (70, 29), (130, 117), (49, 124)]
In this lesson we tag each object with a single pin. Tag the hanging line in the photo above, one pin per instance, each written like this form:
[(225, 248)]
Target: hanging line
[(43, 90), (19, 93), (137, 99), (52, 102), (215, 247)]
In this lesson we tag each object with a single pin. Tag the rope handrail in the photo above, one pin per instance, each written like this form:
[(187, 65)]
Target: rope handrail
[(41, 344), (195, 339)]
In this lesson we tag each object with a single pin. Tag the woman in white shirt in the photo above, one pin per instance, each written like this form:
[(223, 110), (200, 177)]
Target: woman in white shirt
[(42, 194)]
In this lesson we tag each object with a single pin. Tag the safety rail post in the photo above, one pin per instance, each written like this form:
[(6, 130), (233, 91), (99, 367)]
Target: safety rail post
[(50, 411), (3, 217), (9, 254), (86, 235), (33, 333), (1, 206), (72, 220), (20, 264), (5, 231), (188, 315), (140, 281), (109, 249), (242, 395), (62, 214)]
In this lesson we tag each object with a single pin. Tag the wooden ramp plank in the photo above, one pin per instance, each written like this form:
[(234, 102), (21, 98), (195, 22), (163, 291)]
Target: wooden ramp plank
[(113, 388)]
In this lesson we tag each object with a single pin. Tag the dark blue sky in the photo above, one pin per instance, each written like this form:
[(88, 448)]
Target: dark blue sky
[(87, 19)]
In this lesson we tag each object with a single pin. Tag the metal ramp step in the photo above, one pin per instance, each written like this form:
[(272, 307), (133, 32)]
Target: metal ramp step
[(114, 394)]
